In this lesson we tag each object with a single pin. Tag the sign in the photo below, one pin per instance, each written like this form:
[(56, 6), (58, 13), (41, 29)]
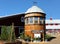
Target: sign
[(37, 35)]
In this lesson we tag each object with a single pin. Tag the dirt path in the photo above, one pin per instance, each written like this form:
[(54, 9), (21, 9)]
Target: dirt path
[(56, 40)]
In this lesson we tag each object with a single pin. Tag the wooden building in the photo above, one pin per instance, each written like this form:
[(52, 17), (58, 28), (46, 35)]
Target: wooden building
[(35, 22), (32, 22), (17, 19)]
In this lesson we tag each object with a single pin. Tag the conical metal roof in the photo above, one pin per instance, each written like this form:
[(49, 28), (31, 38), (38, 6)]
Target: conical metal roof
[(34, 9)]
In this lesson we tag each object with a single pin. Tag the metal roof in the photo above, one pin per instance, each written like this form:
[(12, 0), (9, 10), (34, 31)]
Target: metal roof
[(34, 9), (52, 21), (11, 15)]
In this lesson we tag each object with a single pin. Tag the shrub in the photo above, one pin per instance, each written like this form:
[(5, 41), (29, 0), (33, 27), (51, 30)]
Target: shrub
[(4, 34), (7, 33), (47, 36), (22, 35)]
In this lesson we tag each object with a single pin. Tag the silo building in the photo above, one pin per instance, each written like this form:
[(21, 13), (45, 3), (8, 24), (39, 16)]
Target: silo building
[(35, 22)]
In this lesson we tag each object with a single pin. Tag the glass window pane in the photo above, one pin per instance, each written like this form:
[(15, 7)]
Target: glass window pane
[(22, 19), (26, 21), (35, 20), (31, 19), (41, 20)]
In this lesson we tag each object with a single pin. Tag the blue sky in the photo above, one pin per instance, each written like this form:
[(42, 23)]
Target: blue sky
[(50, 7)]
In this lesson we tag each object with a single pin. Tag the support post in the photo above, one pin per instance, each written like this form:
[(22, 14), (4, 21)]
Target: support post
[(31, 36), (43, 37)]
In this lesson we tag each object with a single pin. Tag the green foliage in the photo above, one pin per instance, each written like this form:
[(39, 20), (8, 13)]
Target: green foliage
[(13, 37), (22, 36), (47, 36), (7, 34), (4, 34), (27, 37), (36, 38)]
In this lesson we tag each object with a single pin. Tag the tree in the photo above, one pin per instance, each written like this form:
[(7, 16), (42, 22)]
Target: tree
[(7, 33), (4, 34)]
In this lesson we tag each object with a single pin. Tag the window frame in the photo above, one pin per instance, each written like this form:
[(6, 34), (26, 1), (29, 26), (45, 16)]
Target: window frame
[(36, 20), (26, 21), (41, 20), (22, 19), (30, 20)]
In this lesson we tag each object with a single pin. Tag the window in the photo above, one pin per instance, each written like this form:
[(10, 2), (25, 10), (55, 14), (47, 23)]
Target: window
[(22, 19), (36, 20), (31, 20), (26, 20), (41, 20)]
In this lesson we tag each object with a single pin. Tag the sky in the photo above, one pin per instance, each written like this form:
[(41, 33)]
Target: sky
[(50, 7)]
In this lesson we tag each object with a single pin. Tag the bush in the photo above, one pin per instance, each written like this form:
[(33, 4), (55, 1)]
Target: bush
[(47, 36), (7, 33), (4, 34), (37, 39), (22, 35), (27, 38)]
